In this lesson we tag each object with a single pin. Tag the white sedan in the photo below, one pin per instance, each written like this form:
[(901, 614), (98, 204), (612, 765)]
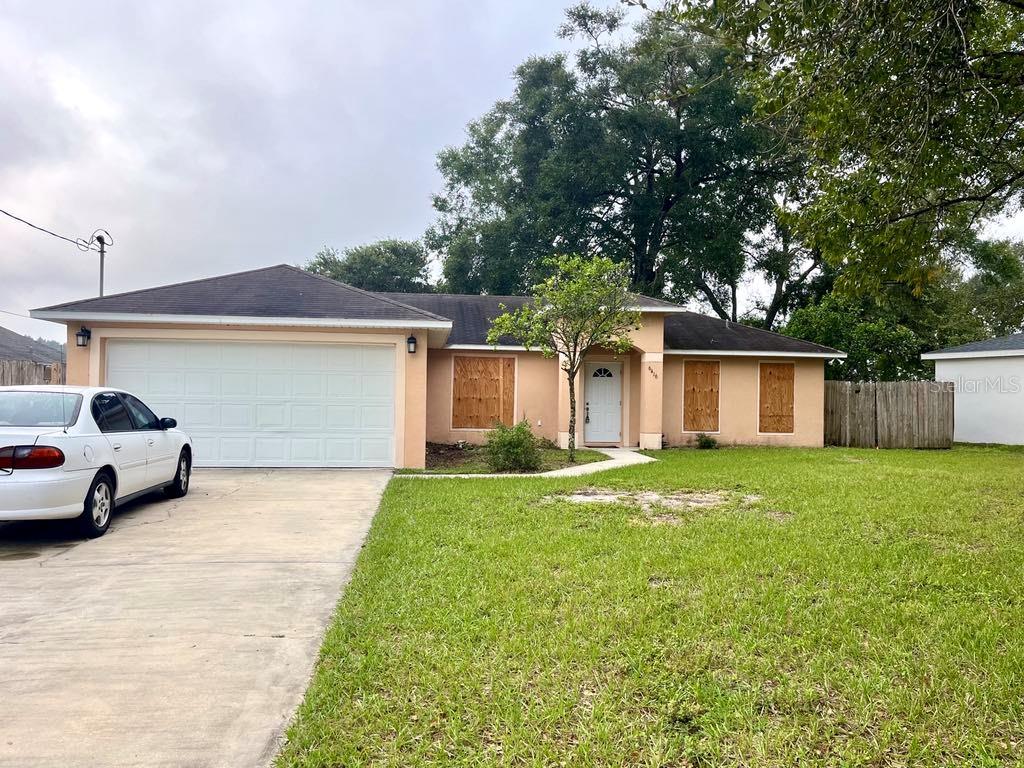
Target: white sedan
[(77, 452)]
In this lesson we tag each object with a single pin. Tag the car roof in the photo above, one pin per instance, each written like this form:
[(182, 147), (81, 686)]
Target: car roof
[(59, 388)]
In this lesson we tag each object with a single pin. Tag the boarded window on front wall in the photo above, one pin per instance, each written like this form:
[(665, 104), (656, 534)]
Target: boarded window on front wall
[(483, 391), (700, 395), (775, 409)]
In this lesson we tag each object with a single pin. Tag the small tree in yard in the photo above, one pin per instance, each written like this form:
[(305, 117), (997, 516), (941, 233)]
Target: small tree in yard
[(586, 303)]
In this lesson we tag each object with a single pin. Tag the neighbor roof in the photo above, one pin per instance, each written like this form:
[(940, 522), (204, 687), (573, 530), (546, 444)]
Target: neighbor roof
[(281, 291), (692, 332), (1003, 346), (14, 346)]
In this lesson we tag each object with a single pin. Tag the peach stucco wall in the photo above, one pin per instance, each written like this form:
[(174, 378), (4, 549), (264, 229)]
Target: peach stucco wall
[(536, 389), (738, 408)]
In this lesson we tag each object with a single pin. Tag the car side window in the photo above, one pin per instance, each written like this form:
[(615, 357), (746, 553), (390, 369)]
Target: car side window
[(140, 413), (110, 413)]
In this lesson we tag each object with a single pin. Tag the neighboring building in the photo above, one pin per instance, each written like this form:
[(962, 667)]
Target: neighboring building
[(988, 379), (24, 360), (279, 367)]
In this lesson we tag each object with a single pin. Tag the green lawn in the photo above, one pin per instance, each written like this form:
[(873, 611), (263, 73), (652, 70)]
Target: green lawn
[(470, 460), (868, 609)]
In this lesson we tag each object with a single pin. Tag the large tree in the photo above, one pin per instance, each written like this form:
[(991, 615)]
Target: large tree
[(639, 149), (885, 332), (911, 115), (387, 265)]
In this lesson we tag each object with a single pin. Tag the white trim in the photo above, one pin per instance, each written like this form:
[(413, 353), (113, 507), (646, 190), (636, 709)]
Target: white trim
[(682, 423), (489, 348), (754, 353), (451, 394), (969, 355), (320, 322), (662, 310), (757, 405)]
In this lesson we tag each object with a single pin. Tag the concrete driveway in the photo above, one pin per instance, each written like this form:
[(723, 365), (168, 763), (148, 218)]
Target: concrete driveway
[(187, 635)]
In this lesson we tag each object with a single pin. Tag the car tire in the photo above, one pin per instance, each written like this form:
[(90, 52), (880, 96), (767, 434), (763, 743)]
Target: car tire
[(182, 473), (99, 506)]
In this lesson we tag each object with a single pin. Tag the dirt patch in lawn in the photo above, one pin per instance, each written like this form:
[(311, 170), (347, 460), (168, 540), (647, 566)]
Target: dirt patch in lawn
[(669, 508)]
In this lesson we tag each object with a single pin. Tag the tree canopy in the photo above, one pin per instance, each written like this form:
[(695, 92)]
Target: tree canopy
[(388, 265), (639, 149), (910, 114)]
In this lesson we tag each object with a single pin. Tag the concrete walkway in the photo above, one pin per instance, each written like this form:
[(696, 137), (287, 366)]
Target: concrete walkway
[(618, 458), (187, 635)]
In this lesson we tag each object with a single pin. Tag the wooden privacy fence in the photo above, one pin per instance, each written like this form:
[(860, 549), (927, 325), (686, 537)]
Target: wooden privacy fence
[(889, 414), (26, 372)]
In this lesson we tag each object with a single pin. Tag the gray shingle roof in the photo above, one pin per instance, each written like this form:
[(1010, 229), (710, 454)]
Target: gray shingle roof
[(690, 330), (278, 291), (14, 346), (1012, 343), (284, 291), (471, 316)]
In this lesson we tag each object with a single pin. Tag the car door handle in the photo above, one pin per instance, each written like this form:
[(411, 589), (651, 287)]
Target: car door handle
[(150, 442), (117, 446)]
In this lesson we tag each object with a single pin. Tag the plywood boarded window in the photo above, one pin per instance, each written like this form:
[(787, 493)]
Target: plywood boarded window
[(775, 409), (700, 395), (483, 391)]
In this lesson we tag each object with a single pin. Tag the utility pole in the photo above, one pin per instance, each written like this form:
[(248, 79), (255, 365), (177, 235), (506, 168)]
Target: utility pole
[(103, 253)]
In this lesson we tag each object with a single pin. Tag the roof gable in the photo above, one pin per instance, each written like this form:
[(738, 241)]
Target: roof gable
[(281, 291), (694, 332)]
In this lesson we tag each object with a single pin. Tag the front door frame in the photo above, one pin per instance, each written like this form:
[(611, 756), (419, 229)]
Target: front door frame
[(588, 368)]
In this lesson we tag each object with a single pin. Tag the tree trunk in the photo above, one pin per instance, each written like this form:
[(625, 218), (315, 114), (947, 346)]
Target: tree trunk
[(572, 417)]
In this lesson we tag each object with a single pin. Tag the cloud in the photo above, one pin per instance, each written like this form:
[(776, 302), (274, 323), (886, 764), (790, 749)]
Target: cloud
[(215, 137)]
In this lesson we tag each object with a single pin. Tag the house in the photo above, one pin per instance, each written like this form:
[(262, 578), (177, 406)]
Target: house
[(988, 379), (279, 367), (24, 360)]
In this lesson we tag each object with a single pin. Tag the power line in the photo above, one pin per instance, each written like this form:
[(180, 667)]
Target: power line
[(98, 238)]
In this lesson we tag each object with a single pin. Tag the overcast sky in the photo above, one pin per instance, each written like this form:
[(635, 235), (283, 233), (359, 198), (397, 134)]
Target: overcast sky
[(210, 137), (214, 137)]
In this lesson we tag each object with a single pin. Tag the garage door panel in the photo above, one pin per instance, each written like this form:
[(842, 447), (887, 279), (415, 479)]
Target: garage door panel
[(272, 384), (268, 404), (308, 385), (237, 384), (202, 383)]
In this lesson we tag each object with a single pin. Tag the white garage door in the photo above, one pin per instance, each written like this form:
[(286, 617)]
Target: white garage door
[(255, 404)]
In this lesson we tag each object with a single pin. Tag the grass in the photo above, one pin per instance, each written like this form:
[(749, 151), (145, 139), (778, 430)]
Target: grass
[(469, 460), (868, 609)]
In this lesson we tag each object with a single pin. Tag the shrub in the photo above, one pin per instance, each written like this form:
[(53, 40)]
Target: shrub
[(706, 442), (512, 449)]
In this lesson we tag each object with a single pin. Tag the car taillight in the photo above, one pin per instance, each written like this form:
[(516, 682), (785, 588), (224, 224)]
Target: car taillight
[(30, 457)]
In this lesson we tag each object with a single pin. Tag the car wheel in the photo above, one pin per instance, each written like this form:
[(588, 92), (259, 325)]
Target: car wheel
[(99, 506), (179, 485)]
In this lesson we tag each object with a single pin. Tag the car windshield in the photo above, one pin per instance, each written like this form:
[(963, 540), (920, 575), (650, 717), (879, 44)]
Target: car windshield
[(39, 409)]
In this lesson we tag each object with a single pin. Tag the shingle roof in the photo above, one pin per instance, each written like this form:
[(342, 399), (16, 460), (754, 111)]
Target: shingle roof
[(14, 346), (1012, 343), (278, 291), (471, 315), (690, 330)]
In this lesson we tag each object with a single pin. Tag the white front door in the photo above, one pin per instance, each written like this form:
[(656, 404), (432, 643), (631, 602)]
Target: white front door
[(602, 391)]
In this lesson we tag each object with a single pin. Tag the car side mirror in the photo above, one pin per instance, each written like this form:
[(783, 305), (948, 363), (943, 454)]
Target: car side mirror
[(168, 423)]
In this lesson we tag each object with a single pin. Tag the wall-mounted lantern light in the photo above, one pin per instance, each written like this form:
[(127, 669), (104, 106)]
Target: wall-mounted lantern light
[(82, 337), (411, 344)]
